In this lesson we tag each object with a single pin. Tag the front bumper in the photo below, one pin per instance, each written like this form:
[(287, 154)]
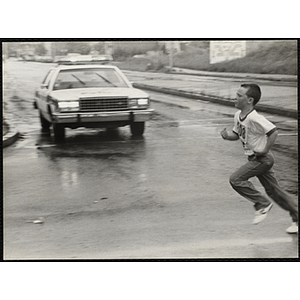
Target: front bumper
[(127, 116)]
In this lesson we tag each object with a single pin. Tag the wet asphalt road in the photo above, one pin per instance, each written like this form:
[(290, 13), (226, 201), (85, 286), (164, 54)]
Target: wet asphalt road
[(104, 195)]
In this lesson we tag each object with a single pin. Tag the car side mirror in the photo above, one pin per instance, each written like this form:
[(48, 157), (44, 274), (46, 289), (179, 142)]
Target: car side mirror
[(44, 86)]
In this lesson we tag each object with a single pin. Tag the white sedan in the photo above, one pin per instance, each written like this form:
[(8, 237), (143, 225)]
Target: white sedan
[(90, 95)]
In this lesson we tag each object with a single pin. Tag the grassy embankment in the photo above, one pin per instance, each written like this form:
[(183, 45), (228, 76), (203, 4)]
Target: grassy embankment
[(277, 57)]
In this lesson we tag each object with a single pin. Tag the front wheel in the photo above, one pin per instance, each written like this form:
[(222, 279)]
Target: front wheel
[(137, 128), (59, 132)]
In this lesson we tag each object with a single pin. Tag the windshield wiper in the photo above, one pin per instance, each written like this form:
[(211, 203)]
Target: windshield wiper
[(105, 79), (82, 82)]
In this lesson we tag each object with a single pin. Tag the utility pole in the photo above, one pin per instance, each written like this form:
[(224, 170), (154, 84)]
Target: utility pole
[(53, 50)]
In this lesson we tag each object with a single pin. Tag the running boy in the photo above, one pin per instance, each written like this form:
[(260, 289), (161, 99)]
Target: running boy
[(257, 135)]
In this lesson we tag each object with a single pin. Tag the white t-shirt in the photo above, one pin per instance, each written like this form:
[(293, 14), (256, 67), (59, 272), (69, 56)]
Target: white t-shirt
[(253, 131)]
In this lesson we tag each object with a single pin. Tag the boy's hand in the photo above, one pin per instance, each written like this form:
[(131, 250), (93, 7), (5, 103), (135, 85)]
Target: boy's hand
[(270, 141), (224, 134)]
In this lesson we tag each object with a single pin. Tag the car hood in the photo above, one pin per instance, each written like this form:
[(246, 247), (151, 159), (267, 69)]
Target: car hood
[(74, 94)]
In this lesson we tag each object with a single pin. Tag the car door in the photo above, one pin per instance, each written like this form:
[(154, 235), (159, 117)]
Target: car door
[(42, 95)]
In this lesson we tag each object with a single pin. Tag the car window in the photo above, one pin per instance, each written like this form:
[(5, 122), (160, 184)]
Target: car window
[(48, 77), (88, 78)]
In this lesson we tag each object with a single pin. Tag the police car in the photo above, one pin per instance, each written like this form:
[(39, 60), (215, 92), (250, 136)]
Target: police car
[(88, 92)]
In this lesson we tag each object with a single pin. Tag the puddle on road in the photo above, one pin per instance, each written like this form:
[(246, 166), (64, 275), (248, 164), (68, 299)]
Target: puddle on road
[(92, 144), (106, 150), (89, 154)]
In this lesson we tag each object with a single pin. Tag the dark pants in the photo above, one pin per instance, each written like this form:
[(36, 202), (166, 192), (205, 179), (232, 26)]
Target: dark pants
[(261, 167)]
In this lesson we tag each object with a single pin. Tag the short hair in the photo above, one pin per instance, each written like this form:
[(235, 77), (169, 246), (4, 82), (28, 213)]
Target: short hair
[(253, 91)]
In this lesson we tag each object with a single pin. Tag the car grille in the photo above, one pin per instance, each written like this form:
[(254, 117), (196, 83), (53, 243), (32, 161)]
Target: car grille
[(96, 104)]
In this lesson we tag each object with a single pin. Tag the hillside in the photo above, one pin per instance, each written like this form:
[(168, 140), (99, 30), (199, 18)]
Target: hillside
[(275, 58), (263, 57)]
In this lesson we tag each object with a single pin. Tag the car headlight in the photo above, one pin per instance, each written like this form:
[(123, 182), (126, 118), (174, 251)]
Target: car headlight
[(68, 105), (143, 102), (139, 103)]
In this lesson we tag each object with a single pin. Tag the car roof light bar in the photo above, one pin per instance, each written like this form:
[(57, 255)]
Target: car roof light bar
[(85, 59)]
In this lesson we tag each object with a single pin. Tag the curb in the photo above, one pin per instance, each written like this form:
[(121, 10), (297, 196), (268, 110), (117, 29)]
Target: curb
[(270, 77), (223, 101), (10, 137)]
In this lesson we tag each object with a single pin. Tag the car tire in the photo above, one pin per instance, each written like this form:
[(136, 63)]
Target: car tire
[(59, 132), (44, 123), (137, 128)]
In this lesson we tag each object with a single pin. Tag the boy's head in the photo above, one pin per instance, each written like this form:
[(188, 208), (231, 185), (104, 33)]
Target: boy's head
[(253, 91)]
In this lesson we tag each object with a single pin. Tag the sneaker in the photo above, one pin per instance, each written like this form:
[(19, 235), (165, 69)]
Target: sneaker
[(261, 214), (293, 228)]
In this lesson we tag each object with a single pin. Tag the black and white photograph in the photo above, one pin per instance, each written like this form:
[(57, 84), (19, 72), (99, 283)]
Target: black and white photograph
[(150, 149)]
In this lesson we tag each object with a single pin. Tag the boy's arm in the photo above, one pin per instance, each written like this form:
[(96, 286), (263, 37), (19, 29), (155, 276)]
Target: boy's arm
[(270, 141), (231, 136)]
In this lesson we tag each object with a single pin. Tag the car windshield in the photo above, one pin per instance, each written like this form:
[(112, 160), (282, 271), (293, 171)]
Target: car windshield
[(88, 78)]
